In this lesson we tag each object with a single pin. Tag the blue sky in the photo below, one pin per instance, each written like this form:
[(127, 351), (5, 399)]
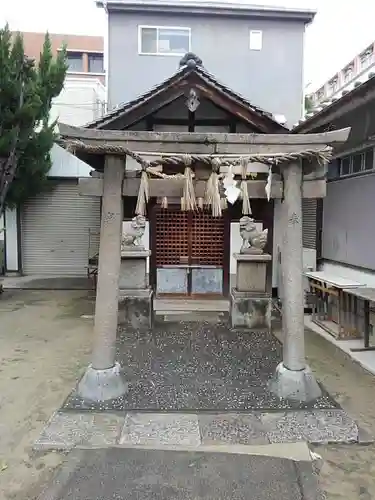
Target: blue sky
[(341, 28)]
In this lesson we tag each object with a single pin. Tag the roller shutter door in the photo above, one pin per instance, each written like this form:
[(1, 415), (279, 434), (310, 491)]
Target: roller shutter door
[(56, 228), (309, 223)]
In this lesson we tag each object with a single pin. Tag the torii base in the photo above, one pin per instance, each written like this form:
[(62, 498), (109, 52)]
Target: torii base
[(296, 385), (102, 385)]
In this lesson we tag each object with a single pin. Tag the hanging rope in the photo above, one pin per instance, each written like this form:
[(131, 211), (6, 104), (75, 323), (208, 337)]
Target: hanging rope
[(212, 194), (188, 201), (143, 193), (322, 156), (269, 183), (246, 207)]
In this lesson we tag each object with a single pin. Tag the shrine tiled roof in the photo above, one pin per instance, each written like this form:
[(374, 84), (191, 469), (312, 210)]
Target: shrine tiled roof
[(192, 67)]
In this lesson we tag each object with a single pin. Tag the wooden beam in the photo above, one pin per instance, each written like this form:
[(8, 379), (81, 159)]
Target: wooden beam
[(90, 186), (314, 189), (142, 111), (203, 143), (206, 122), (135, 137), (252, 118), (174, 188)]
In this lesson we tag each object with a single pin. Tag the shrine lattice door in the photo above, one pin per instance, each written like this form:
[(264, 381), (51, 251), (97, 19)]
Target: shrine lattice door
[(189, 252)]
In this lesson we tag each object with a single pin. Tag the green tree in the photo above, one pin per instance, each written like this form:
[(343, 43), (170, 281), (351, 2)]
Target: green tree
[(308, 104), (26, 134)]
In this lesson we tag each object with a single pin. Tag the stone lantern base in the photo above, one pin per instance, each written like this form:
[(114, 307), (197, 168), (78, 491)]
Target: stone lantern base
[(135, 296), (250, 302)]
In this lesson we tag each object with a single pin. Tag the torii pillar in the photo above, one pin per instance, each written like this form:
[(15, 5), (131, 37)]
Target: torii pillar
[(103, 378), (293, 378)]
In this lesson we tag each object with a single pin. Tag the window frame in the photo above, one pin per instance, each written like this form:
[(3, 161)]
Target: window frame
[(348, 73), (157, 28), (350, 157), (253, 33), (366, 57), (72, 52), (94, 53)]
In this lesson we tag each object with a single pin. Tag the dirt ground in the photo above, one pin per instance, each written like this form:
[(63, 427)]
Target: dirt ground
[(349, 470), (45, 344)]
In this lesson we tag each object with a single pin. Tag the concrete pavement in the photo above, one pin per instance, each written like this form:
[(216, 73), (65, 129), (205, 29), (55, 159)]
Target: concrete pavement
[(180, 475)]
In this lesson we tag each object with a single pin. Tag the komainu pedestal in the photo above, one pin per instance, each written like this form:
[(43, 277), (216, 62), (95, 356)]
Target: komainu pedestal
[(250, 301), (135, 296)]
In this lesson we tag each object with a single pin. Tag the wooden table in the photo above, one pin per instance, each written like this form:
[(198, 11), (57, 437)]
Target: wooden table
[(367, 296), (332, 307)]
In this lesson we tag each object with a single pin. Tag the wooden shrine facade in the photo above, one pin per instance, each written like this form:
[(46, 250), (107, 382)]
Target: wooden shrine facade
[(183, 171), (194, 237), (193, 124)]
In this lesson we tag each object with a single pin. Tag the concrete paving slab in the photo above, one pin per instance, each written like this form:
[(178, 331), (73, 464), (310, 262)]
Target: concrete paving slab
[(232, 428), (153, 474), (162, 429), (65, 431), (317, 427)]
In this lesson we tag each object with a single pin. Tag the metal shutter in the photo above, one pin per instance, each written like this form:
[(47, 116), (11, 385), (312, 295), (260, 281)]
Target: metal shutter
[(309, 223), (55, 231)]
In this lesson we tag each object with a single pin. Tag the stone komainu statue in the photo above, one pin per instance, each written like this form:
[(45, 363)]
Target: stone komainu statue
[(131, 239), (253, 241)]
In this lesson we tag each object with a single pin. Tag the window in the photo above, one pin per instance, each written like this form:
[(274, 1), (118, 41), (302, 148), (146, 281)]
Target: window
[(333, 84), (333, 170), (366, 57), (256, 40), (345, 166), (75, 62), (357, 163), (348, 73), (369, 160), (320, 94), (96, 63), (159, 40)]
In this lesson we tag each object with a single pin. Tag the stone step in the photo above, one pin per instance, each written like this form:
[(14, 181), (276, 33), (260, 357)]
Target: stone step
[(191, 305), (190, 317), (219, 431)]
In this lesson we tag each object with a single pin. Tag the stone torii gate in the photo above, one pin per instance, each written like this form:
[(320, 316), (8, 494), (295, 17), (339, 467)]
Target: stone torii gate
[(297, 172)]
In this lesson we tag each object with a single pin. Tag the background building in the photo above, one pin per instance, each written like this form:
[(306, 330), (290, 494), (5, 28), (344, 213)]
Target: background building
[(357, 71), (345, 222), (50, 233), (83, 98), (251, 49)]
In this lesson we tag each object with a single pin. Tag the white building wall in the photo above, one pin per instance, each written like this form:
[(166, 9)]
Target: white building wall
[(12, 244), (81, 101), (64, 164)]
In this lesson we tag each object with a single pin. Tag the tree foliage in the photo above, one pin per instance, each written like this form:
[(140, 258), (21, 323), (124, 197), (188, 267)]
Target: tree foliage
[(308, 104), (27, 89)]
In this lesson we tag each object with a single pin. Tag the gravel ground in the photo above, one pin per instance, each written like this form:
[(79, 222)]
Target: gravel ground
[(45, 344)]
